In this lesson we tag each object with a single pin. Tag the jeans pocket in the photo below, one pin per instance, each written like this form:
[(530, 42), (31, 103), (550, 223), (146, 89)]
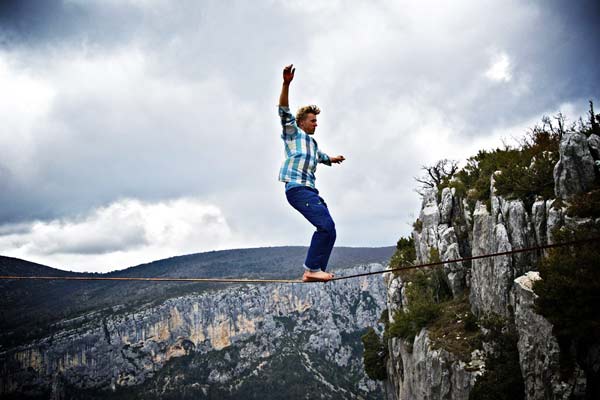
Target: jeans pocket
[(312, 203)]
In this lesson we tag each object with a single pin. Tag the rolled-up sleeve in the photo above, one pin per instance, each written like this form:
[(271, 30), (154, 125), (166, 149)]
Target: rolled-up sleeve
[(288, 122), (323, 158)]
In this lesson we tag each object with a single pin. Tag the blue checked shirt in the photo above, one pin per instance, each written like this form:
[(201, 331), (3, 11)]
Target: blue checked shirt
[(301, 151)]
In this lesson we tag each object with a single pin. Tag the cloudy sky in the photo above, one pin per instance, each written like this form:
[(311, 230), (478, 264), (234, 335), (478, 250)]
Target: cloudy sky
[(134, 130)]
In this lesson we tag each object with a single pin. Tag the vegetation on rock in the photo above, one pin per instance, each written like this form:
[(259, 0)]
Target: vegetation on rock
[(374, 355), (456, 329), (405, 253), (568, 298), (502, 379), (521, 172), (422, 307)]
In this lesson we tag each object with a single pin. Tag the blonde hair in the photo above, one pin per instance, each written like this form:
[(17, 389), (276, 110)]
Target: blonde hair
[(304, 111)]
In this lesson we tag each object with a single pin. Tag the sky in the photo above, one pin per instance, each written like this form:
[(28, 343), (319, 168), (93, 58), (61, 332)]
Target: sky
[(136, 130)]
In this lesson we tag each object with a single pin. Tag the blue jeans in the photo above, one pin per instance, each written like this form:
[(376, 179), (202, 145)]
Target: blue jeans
[(307, 201)]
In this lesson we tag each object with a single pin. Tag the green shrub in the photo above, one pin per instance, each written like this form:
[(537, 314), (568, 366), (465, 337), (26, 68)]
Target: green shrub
[(529, 171), (526, 171), (585, 205), (437, 278), (568, 296), (455, 329), (408, 324), (502, 379), (374, 356), (422, 307), (418, 225), (593, 122), (384, 317), (425, 290), (470, 322), (405, 253)]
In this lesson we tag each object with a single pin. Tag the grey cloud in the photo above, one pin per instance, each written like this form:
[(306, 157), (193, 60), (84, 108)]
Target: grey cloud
[(15, 229), (189, 39), (221, 142), (52, 23), (96, 247), (170, 151)]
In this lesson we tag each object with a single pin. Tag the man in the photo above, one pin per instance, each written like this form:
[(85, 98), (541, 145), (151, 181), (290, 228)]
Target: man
[(298, 173)]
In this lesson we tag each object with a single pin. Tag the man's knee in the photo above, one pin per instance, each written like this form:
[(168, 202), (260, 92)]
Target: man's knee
[(328, 226)]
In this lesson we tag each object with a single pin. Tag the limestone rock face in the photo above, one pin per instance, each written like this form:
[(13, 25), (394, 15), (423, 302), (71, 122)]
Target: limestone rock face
[(254, 323), (496, 284), (446, 206), (574, 172), (444, 227), (395, 294), (429, 216), (594, 144), (554, 220), (490, 277), (538, 349), (449, 250), (506, 227), (521, 234), (424, 373), (538, 215)]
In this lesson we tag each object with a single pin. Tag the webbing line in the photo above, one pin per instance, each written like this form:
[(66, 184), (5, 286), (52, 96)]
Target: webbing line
[(503, 253), (94, 278), (241, 280)]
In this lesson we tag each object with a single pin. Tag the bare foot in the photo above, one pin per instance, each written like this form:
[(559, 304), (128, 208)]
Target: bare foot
[(319, 276)]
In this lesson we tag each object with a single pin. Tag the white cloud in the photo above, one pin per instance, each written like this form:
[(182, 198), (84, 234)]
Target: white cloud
[(501, 68), (124, 233), (151, 101)]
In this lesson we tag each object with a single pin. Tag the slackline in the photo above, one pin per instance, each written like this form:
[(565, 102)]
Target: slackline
[(335, 278), (503, 253)]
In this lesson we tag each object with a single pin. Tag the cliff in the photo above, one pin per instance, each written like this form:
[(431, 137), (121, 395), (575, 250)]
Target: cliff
[(453, 225), (245, 341)]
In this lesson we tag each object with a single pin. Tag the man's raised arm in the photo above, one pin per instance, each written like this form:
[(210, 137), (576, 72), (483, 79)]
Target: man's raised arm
[(288, 76)]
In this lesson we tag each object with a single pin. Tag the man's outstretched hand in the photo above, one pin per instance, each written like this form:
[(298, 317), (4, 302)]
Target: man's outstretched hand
[(337, 159), (288, 74)]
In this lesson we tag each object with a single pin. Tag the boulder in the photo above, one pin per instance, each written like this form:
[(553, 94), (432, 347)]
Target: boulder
[(574, 171), (538, 348), (594, 144)]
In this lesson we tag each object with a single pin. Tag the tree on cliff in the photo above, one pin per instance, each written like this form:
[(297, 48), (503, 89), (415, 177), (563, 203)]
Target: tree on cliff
[(374, 355), (434, 175)]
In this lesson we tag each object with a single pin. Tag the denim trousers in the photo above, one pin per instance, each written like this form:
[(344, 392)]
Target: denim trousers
[(308, 202)]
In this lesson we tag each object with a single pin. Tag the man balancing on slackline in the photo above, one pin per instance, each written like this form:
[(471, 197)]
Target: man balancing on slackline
[(298, 173)]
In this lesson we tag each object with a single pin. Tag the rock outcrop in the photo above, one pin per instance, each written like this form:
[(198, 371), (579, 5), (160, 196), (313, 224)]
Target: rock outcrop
[(444, 227), (538, 348), (425, 373), (508, 226), (498, 285), (574, 173)]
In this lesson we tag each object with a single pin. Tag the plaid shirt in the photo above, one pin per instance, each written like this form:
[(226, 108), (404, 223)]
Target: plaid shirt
[(302, 153)]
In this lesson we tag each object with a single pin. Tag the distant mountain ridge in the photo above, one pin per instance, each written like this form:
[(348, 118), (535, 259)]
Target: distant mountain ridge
[(125, 340), (29, 308)]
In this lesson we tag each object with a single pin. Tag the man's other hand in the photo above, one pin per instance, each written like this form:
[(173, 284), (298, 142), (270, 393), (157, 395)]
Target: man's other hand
[(337, 159)]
